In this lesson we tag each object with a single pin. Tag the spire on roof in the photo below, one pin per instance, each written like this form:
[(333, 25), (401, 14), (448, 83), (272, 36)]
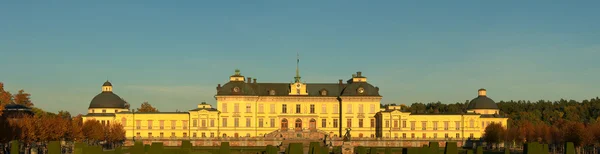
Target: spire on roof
[(297, 78)]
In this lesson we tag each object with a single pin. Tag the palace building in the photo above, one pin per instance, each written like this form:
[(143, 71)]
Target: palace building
[(247, 108)]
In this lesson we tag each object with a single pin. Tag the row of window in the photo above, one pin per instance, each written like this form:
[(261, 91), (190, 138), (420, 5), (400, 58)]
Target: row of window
[(284, 108), (457, 124), (162, 135), (435, 135)]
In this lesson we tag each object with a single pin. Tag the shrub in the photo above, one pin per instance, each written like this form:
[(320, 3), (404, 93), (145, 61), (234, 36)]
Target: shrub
[(360, 150), (295, 148), (225, 149), (569, 148), (506, 151), (14, 146), (450, 148), (54, 147), (314, 148), (479, 150), (388, 150), (373, 150), (156, 148), (469, 151), (138, 148)]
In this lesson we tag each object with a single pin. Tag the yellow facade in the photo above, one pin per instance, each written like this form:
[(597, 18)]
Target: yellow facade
[(251, 109)]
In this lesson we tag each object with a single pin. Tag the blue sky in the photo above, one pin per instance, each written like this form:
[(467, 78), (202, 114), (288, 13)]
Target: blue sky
[(173, 54)]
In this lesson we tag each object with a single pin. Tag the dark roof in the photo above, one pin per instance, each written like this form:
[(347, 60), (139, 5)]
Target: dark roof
[(443, 114), (107, 83), (153, 112), (482, 102), (107, 99), (99, 115), (207, 109), (283, 89), (13, 106), (492, 116)]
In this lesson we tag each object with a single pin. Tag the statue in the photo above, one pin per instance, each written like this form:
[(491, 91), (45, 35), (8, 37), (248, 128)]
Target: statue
[(347, 135)]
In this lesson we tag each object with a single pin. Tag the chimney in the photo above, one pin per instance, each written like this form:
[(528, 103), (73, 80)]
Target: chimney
[(249, 79), (358, 74), (218, 86), (254, 80), (341, 82)]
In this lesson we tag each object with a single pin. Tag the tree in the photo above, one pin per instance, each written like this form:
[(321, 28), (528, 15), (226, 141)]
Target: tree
[(5, 97), (23, 98), (146, 107), (93, 131), (115, 133), (494, 133), (75, 132)]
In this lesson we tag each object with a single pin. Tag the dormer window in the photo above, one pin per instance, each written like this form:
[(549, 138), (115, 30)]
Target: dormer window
[(323, 92), (272, 92), (236, 89)]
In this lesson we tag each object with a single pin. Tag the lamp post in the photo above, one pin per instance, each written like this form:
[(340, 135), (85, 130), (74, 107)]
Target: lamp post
[(219, 126)]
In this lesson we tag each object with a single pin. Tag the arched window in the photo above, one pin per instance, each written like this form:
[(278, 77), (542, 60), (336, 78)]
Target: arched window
[(271, 92), (284, 124), (323, 92), (360, 135), (313, 124), (298, 124)]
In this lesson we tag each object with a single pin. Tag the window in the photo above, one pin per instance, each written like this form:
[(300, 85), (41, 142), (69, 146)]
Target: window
[(103, 111), (185, 124), (124, 122), (323, 92), (457, 135), (149, 134), (372, 123), (236, 122), (203, 134), (272, 123), (236, 108), (284, 108), (435, 125), (162, 124), (103, 123), (272, 108), (403, 135), (195, 123), (224, 122), (395, 135), (173, 124), (271, 92), (372, 108), (212, 122), (349, 108), (93, 111), (472, 123), (138, 124), (424, 125), (424, 135), (324, 123), (138, 134), (162, 134), (184, 134), (387, 124), (172, 134), (224, 107), (482, 124), (349, 123), (446, 125), (446, 135), (335, 123), (312, 108), (412, 135), (412, 125), (360, 108), (260, 122), (297, 108), (324, 108), (360, 123), (395, 123), (194, 135), (248, 108), (212, 134), (149, 124), (203, 123), (260, 108), (335, 108), (471, 135), (457, 123), (403, 124), (434, 135), (116, 111)]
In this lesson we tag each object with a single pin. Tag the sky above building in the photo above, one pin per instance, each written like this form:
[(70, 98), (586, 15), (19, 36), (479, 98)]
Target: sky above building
[(173, 54)]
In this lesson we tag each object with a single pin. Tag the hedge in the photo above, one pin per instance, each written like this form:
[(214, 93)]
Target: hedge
[(295, 148), (314, 148), (225, 149), (54, 147), (569, 148), (14, 148), (450, 148)]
